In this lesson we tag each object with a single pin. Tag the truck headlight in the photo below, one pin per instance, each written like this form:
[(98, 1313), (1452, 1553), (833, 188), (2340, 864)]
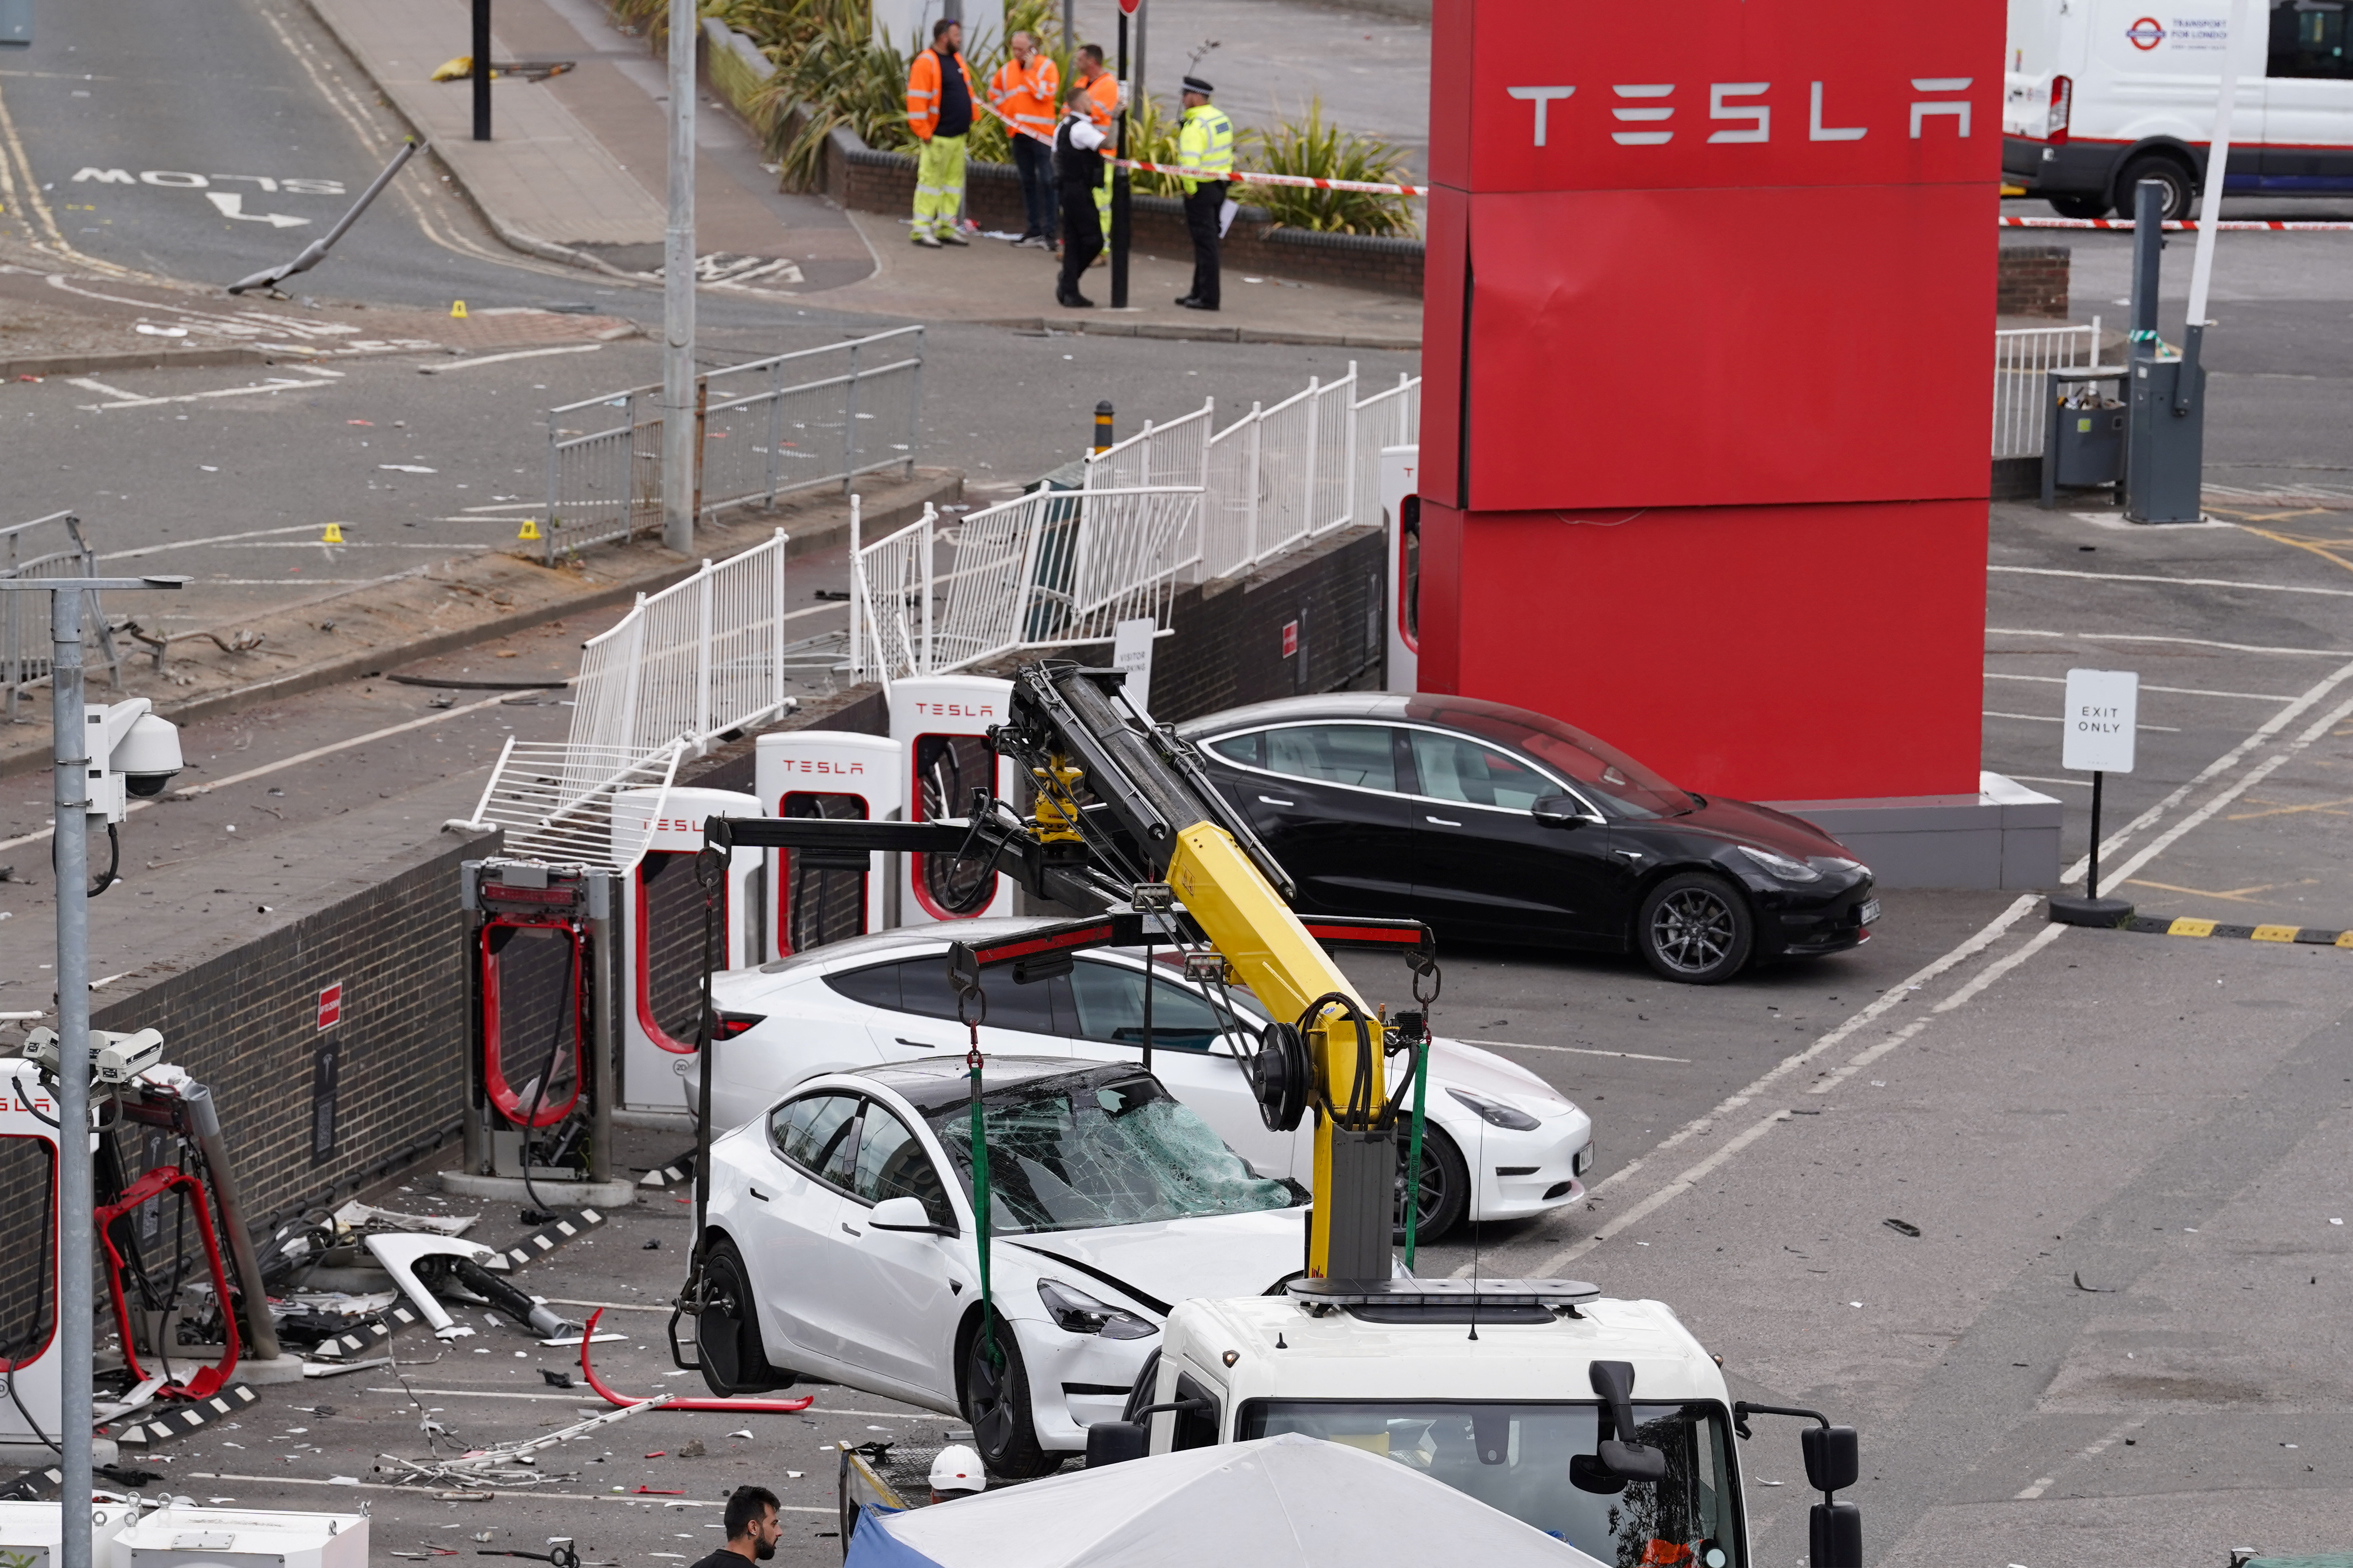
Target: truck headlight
[(1495, 1113), (1074, 1311)]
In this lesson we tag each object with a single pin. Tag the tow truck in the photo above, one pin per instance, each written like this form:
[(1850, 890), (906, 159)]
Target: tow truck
[(1603, 1422)]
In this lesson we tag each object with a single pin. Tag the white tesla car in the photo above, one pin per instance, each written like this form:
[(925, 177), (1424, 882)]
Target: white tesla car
[(1110, 1203), (886, 997)]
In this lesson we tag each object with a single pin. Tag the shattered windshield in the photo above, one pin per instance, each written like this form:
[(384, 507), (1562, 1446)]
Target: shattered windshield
[(1517, 1458), (1076, 1152)]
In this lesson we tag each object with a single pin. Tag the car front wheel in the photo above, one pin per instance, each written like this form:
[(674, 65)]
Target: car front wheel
[(727, 1331), (997, 1403), (1696, 927), (1443, 1192)]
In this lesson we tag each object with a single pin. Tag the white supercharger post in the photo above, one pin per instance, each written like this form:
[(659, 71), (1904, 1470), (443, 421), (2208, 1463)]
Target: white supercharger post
[(940, 724), (840, 776), (1401, 525), (660, 923), (28, 1161)]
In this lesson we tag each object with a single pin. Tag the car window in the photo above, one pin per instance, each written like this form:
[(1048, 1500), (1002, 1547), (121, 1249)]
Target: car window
[(1109, 1001), (1452, 768), (1360, 754), (813, 1133), (891, 1164), (1249, 750), (877, 986), (924, 989)]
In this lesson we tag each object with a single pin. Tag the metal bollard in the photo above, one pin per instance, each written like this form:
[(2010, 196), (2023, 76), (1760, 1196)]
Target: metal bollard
[(1103, 427)]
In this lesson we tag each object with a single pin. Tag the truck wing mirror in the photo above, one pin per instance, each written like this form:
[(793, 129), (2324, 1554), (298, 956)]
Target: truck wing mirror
[(1836, 1532), (1620, 1456), (1117, 1442), (1832, 1459)]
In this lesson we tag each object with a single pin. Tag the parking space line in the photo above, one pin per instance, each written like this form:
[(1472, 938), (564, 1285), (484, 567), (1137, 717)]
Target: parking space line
[(2175, 582), (2174, 690), (1571, 1050), (2235, 894), (2053, 719), (2154, 637), (2042, 1483)]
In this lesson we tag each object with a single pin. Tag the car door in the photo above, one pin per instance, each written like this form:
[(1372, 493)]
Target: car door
[(797, 1208), (1194, 1055), (907, 1286), (1325, 798), (1483, 862)]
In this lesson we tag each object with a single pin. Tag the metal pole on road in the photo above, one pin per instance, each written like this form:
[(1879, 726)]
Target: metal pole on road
[(77, 1182), (1119, 180), (482, 70), (678, 292)]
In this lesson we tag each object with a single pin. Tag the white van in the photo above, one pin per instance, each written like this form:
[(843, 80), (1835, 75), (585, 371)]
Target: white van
[(2103, 94)]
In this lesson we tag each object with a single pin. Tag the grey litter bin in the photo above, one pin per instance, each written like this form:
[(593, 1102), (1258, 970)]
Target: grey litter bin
[(2083, 447)]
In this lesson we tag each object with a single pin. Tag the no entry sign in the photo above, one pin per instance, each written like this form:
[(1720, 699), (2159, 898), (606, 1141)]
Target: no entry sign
[(330, 1006)]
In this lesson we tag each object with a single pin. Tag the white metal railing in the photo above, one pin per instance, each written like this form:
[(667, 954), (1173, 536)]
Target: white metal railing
[(701, 658), (25, 646), (1278, 476), (1048, 569), (556, 800), (2022, 388), (814, 416)]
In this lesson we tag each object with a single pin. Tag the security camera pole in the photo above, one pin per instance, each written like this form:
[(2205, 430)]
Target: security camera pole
[(77, 1185), (678, 443)]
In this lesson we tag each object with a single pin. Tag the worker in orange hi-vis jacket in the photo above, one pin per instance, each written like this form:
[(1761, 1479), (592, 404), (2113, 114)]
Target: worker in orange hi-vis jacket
[(1027, 90), (939, 111)]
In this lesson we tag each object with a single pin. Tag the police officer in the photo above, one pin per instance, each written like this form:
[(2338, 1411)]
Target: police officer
[(1077, 166), (1205, 143)]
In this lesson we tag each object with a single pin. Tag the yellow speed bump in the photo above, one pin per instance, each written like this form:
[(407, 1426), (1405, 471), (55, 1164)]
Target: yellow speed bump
[(2276, 933), (2188, 925)]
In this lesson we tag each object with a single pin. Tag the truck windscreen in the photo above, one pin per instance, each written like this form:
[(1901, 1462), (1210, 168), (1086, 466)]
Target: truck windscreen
[(1517, 1458)]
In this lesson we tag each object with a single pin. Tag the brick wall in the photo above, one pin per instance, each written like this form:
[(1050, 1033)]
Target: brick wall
[(2032, 282), (868, 180)]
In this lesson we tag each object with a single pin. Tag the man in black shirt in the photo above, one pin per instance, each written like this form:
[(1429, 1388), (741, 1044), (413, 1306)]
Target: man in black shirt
[(1078, 169), (752, 1529)]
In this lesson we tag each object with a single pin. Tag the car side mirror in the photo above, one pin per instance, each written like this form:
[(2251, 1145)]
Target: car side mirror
[(1117, 1442), (1557, 811), (904, 1213), (1832, 1457)]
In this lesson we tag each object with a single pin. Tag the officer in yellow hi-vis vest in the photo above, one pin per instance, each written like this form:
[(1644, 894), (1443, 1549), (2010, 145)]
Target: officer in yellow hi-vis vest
[(1204, 142)]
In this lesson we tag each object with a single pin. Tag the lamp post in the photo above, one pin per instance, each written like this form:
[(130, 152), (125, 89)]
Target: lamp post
[(679, 423), (76, 1188)]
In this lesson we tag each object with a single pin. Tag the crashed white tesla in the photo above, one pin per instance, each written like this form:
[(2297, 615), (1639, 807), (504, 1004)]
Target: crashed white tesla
[(887, 997), (844, 1216)]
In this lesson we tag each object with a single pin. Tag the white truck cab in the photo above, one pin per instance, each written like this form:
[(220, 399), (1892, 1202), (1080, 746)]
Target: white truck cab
[(1602, 1423), (2101, 94)]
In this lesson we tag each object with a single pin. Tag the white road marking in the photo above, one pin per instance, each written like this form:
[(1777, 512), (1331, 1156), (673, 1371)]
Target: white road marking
[(1976, 986), (133, 400), (2171, 581), (2115, 520), (2054, 719), (2191, 642), (191, 791), (1571, 1050), (2042, 1483), (449, 365), (232, 204), (213, 539), (2176, 690)]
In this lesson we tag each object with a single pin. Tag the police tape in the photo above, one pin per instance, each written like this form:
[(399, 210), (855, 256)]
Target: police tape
[(2233, 224), (1304, 181)]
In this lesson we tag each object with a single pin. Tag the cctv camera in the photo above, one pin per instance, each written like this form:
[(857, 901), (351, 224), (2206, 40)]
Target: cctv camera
[(148, 755)]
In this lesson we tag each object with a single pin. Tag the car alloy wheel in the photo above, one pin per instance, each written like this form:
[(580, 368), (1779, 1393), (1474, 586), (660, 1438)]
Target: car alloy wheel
[(727, 1331), (1443, 1192), (997, 1403), (1695, 928)]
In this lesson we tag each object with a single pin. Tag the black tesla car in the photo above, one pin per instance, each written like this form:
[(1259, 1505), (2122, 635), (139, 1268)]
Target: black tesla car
[(1491, 821)]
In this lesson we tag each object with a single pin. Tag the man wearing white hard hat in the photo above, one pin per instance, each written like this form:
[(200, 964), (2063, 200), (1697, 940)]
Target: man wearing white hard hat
[(957, 1473)]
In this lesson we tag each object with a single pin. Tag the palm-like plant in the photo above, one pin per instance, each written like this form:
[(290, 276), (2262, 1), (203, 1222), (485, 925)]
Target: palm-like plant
[(1324, 151)]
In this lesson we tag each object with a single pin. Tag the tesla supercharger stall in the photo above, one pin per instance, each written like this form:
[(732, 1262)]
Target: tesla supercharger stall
[(661, 938), (28, 1240), (1401, 524), (941, 725), (815, 897)]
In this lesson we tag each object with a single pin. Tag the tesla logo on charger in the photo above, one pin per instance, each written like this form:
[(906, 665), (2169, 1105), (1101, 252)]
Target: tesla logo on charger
[(678, 824), (2146, 34), (819, 766), (1644, 114), (955, 709)]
